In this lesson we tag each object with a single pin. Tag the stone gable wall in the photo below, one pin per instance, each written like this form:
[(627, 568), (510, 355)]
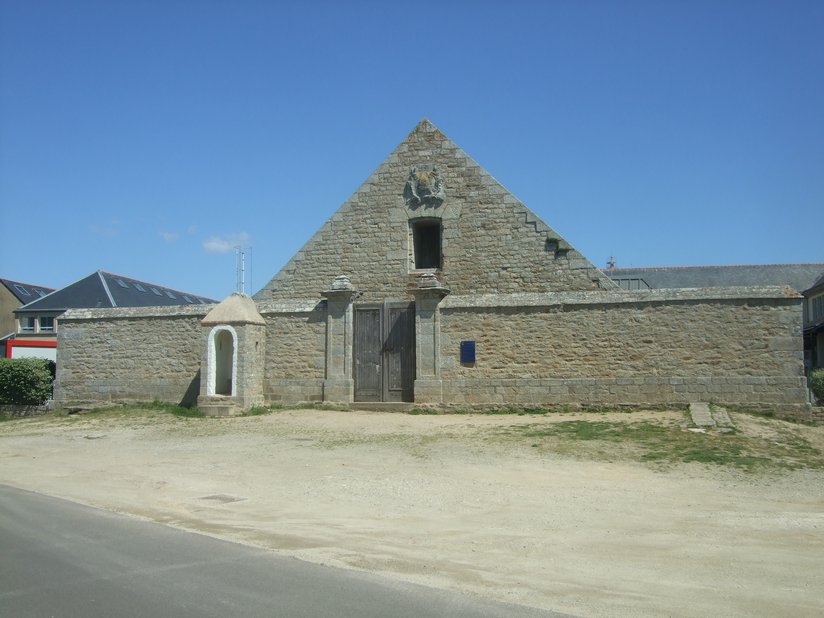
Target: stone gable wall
[(491, 242)]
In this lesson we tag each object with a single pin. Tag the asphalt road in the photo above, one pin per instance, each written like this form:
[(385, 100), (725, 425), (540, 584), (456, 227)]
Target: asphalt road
[(58, 558)]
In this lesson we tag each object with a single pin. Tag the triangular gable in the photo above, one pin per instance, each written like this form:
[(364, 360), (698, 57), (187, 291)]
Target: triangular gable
[(490, 241)]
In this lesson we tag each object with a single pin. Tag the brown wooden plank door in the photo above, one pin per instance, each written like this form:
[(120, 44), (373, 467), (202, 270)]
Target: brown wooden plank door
[(399, 353), (384, 351), (367, 350)]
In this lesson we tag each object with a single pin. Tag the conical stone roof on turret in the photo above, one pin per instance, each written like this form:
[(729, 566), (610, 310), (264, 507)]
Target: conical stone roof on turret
[(236, 308), (490, 241)]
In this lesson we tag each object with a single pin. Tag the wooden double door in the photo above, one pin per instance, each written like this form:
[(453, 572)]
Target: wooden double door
[(384, 352)]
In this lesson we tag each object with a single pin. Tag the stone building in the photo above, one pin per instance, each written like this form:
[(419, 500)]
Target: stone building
[(433, 284)]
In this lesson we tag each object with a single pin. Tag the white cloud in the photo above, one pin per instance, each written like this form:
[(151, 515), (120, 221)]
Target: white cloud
[(224, 244), (169, 236)]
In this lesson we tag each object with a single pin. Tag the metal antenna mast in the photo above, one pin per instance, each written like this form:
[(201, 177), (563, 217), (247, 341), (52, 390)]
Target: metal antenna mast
[(240, 262)]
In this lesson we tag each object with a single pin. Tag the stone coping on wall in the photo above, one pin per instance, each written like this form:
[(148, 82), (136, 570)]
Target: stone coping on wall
[(136, 312), (264, 308), (619, 297), (290, 306)]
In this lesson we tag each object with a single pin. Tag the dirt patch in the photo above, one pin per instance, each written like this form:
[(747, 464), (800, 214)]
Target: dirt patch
[(594, 514)]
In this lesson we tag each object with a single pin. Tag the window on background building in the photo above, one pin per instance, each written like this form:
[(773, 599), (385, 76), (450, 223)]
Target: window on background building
[(426, 239), (817, 303), (22, 290)]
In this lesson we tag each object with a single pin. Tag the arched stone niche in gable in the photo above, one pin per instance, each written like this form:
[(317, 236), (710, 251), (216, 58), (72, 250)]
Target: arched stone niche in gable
[(232, 365)]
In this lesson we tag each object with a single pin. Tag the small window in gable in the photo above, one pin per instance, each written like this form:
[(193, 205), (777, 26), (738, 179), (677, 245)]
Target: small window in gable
[(187, 299), (157, 292), (22, 290), (122, 283), (40, 292), (139, 287), (426, 238), (170, 295)]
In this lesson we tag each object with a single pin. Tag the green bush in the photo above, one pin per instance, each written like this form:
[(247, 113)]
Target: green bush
[(25, 381), (816, 381)]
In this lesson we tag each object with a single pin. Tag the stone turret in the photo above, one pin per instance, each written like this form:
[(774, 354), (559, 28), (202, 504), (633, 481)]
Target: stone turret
[(234, 342)]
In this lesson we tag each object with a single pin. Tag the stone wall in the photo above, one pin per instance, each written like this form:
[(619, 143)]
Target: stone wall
[(663, 346), (490, 240), (122, 355), (295, 351), (20, 411), (657, 347)]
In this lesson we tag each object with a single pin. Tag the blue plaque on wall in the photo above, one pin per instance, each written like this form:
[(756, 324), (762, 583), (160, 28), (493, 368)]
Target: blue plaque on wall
[(467, 352)]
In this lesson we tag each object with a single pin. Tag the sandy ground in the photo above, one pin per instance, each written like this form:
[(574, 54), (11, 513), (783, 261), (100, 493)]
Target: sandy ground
[(445, 501)]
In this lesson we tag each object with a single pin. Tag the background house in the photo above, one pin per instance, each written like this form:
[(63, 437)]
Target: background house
[(36, 322), (13, 295), (814, 324), (797, 276)]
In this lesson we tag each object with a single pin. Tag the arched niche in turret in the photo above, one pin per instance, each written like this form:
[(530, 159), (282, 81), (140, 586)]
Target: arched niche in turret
[(232, 365)]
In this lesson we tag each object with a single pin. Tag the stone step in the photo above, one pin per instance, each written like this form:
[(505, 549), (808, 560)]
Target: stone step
[(219, 407), (721, 417), (701, 416), (382, 406)]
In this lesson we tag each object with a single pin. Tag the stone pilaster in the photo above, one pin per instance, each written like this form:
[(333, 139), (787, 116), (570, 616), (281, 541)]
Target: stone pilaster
[(428, 385), (339, 384)]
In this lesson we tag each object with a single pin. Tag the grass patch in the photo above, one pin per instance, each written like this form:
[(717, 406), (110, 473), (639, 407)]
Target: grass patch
[(146, 409), (486, 411), (668, 444)]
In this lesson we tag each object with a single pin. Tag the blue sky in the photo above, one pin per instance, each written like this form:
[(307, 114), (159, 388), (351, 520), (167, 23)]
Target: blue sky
[(147, 138)]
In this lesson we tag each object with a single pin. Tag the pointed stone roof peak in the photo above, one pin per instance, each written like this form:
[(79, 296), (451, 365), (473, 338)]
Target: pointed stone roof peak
[(425, 126)]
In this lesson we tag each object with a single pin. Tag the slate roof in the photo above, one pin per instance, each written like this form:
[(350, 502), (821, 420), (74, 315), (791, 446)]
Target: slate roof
[(815, 287), (25, 292), (799, 277), (102, 289)]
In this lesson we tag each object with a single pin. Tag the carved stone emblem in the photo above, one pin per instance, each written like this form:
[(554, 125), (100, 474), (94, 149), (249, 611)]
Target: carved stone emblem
[(424, 187)]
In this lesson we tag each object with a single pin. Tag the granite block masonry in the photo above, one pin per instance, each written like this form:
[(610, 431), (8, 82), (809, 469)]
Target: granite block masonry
[(432, 230)]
